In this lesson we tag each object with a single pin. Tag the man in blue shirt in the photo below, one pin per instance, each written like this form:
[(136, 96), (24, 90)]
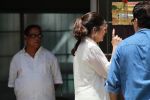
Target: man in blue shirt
[(129, 72)]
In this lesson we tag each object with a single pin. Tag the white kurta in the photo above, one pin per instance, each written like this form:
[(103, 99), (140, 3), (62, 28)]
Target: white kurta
[(34, 78), (90, 71)]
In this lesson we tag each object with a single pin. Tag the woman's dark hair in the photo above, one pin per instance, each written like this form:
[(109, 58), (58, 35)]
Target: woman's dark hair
[(141, 11), (84, 25), (28, 28)]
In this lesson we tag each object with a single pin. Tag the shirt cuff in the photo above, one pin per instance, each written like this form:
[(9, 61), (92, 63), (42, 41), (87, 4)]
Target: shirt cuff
[(58, 82), (112, 89), (10, 85)]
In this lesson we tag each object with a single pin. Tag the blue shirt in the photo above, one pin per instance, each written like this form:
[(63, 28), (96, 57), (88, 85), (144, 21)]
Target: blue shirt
[(130, 68)]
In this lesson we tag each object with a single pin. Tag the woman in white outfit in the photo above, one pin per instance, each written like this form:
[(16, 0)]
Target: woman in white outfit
[(90, 63)]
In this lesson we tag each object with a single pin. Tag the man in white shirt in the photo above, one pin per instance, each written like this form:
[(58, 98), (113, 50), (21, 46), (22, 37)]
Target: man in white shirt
[(34, 70)]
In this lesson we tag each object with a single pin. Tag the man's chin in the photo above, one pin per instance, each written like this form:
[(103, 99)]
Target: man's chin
[(37, 46)]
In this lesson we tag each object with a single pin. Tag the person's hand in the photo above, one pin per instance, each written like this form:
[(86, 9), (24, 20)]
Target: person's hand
[(115, 39)]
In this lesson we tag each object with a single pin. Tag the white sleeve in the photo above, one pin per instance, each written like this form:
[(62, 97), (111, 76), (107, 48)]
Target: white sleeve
[(12, 73), (56, 72), (98, 61)]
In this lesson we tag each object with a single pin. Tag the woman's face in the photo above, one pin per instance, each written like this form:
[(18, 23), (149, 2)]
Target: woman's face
[(99, 36)]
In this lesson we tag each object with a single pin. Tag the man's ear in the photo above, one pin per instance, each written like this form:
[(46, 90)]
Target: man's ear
[(94, 29), (25, 36), (136, 19)]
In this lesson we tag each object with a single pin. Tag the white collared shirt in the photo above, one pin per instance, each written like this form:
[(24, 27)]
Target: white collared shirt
[(34, 78)]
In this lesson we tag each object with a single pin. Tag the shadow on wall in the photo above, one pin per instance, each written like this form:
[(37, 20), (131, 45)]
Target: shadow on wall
[(5, 92), (66, 91)]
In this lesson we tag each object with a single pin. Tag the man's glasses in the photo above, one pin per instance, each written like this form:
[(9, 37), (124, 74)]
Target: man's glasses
[(132, 20), (35, 35)]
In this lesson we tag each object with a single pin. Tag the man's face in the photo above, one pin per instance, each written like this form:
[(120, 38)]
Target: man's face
[(33, 39)]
